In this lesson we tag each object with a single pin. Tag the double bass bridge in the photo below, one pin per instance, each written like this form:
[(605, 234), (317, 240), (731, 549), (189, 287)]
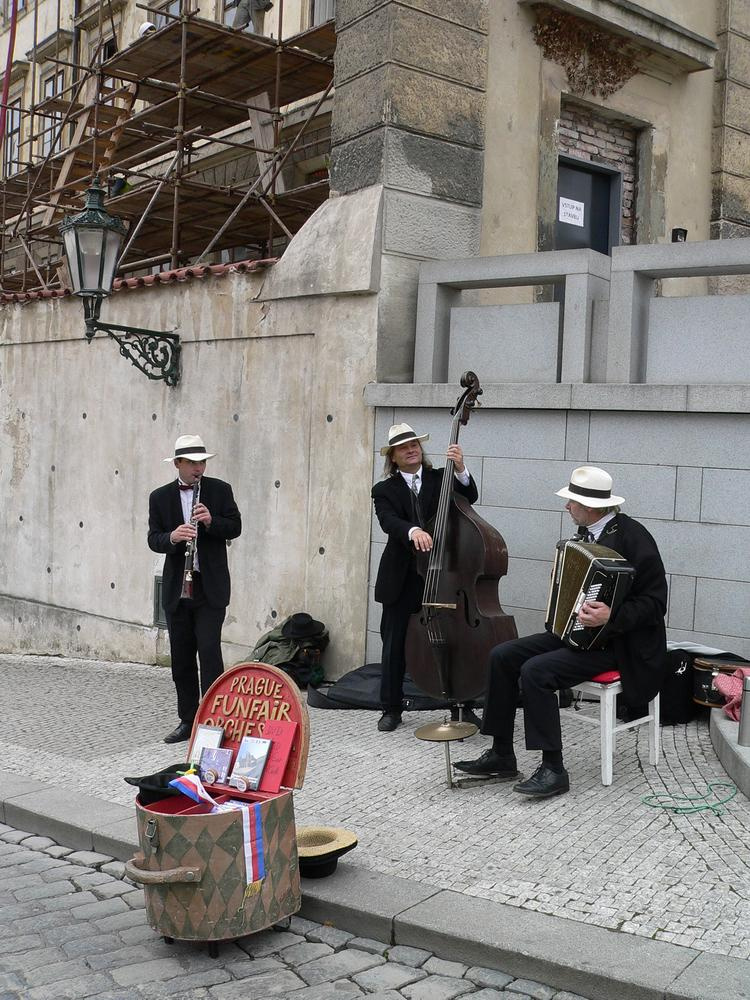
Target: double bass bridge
[(434, 604)]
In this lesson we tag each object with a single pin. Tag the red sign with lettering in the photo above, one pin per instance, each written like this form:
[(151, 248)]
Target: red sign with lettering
[(249, 696)]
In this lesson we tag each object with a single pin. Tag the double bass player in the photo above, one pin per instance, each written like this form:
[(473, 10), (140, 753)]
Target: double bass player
[(405, 501)]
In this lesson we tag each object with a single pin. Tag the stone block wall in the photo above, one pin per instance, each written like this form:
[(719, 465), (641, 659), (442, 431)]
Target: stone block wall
[(730, 171), (409, 114), (668, 416), (684, 475)]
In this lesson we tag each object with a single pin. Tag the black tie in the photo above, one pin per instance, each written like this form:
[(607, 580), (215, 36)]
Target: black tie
[(415, 504), (584, 535)]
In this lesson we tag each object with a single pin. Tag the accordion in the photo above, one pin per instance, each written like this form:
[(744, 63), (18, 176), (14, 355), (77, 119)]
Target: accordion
[(585, 572)]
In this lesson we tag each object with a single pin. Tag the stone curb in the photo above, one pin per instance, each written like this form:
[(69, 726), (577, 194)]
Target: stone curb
[(734, 759), (572, 956)]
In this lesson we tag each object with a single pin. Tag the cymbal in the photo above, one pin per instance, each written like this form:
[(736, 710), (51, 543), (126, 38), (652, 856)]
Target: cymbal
[(442, 732)]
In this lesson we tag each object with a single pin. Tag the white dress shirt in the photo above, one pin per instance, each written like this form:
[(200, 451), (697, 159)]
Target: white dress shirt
[(462, 477), (598, 526)]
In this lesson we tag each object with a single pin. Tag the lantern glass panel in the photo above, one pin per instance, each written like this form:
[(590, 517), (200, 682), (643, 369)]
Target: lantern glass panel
[(91, 247), (113, 241), (74, 265)]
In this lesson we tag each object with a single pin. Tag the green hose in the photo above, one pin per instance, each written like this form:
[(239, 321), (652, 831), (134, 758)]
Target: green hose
[(693, 803)]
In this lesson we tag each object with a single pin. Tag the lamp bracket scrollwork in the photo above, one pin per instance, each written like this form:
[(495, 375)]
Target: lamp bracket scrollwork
[(155, 354)]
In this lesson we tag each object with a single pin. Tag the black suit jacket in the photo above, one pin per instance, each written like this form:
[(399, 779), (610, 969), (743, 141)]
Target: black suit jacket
[(393, 507), (165, 514), (637, 632)]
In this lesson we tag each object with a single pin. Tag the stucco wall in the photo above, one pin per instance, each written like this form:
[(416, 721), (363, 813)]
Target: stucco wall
[(273, 367)]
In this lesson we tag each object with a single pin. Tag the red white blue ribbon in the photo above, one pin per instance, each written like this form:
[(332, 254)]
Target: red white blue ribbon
[(253, 845), (192, 786), (252, 829)]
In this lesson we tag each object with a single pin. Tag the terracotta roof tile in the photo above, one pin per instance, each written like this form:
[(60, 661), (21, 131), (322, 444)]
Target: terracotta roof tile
[(148, 280)]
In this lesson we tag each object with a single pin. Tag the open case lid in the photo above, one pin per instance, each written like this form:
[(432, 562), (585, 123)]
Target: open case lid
[(243, 699)]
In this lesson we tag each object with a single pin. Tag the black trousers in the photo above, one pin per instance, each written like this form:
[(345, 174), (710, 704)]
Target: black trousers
[(194, 635), (394, 623), (543, 665)]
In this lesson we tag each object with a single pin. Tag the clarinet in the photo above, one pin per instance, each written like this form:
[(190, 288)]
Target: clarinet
[(187, 576)]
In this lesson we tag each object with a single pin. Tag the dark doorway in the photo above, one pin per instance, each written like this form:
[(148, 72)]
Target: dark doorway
[(588, 207)]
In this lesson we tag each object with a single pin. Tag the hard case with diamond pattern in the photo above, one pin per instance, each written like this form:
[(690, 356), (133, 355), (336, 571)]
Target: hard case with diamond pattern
[(192, 862)]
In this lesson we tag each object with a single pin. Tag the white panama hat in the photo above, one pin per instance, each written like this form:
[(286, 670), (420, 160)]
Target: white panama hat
[(590, 487), (400, 434), (190, 446)]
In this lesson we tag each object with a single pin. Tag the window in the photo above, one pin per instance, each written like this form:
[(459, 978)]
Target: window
[(229, 8), (321, 10), (98, 55), (173, 7), (12, 147), (51, 86), (6, 9)]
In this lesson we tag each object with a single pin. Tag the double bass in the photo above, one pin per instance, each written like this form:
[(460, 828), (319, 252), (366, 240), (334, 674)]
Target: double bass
[(449, 640)]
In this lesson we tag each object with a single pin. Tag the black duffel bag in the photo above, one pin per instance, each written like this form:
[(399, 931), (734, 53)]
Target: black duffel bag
[(676, 696)]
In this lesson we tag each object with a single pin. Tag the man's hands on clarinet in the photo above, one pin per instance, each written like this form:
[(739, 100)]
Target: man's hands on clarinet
[(202, 514), (184, 532)]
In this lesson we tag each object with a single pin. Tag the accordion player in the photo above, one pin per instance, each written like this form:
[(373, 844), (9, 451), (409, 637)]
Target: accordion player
[(585, 571)]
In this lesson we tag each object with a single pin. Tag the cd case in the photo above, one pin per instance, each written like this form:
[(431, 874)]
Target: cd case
[(251, 759), (205, 737), (214, 765)]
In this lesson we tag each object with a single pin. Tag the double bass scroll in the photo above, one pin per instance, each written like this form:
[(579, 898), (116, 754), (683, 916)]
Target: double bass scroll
[(448, 642)]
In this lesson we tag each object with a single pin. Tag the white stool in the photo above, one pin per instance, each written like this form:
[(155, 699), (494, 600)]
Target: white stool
[(606, 687)]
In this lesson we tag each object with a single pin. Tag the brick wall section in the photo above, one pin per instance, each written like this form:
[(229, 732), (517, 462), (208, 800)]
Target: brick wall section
[(588, 136)]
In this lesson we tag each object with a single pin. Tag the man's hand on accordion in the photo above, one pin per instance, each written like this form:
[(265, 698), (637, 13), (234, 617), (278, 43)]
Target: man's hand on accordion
[(594, 614)]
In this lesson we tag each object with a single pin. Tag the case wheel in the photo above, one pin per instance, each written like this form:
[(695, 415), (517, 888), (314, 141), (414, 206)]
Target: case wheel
[(213, 949)]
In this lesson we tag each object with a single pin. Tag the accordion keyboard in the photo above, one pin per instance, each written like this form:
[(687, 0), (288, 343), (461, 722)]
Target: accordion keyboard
[(585, 572)]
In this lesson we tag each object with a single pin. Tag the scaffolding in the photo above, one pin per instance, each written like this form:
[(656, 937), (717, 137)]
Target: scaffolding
[(152, 120)]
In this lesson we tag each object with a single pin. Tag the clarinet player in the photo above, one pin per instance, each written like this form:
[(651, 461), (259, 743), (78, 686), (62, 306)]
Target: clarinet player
[(195, 578)]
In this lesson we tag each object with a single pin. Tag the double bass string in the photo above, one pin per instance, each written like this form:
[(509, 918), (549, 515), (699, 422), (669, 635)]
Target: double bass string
[(435, 564)]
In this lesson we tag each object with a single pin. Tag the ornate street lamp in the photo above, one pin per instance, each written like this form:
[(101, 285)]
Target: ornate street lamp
[(92, 241)]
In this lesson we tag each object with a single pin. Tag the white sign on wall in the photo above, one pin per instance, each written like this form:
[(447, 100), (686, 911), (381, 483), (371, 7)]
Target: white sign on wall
[(571, 212)]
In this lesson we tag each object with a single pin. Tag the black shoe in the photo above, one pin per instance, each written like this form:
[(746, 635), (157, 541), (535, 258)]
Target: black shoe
[(490, 763), (181, 734), (388, 721), (469, 716), (544, 782)]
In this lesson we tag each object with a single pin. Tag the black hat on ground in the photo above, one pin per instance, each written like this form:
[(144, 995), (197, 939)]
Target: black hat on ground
[(320, 847), (301, 626), (152, 787)]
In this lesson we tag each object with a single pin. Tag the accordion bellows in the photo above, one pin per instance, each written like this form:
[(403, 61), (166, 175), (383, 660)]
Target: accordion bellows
[(585, 571)]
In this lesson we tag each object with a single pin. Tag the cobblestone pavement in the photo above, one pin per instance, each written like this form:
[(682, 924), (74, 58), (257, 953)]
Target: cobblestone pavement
[(597, 855), (71, 927)]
